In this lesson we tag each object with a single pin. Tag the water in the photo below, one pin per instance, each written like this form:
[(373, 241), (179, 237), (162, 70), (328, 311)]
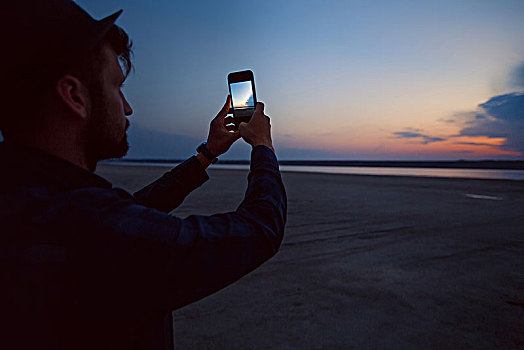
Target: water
[(427, 172)]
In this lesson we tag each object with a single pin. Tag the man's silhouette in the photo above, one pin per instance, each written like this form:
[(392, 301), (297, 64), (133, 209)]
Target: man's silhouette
[(83, 264)]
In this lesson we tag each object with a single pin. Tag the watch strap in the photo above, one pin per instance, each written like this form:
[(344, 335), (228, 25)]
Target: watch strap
[(206, 153)]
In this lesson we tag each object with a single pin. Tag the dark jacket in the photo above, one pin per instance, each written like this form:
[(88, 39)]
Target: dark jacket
[(86, 265)]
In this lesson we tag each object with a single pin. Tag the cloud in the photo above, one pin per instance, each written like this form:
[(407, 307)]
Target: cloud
[(505, 107), (501, 116), (497, 123), (448, 120), (250, 101), (415, 134), (474, 144), (518, 76)]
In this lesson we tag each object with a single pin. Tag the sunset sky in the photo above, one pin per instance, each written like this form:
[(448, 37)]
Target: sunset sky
[(340, 79)]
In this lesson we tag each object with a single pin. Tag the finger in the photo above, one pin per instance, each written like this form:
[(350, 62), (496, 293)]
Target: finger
[(259, 107), (229, 120), (241, 126), (225, 109), (259, 110), (231, 127)]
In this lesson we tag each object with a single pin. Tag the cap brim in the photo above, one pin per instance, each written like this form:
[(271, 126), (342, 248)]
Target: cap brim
[(106, 23), (103, 26), (111, 19)]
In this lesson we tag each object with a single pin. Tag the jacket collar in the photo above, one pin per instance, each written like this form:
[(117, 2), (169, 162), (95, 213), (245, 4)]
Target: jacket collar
[(30, 166)]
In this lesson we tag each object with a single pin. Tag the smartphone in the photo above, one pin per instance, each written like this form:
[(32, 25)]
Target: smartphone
[(243, 95)]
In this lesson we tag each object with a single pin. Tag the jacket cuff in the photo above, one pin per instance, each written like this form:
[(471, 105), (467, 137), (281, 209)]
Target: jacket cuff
[(263, 157)]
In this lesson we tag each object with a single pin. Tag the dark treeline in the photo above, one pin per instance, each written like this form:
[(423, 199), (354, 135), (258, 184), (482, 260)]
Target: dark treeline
[(460, 164)]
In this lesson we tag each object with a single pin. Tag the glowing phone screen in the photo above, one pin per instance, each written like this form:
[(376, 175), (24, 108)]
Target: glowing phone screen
[(242, 97)]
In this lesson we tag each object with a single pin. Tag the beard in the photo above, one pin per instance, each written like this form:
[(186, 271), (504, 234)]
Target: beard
[(105, 138)]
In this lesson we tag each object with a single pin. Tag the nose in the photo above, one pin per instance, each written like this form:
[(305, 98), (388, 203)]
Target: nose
[(127, 107)]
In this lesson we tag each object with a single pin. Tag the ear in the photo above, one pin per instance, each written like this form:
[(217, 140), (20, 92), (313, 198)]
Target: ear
[(74, 95)]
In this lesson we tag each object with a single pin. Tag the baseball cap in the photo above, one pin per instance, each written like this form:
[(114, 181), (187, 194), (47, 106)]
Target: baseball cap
[(37, 33)]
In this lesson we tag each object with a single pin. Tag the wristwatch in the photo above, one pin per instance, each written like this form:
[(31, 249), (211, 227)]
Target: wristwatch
[(206, 153)]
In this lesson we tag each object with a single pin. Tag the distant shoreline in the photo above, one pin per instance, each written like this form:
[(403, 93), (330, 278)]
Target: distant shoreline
[(460, 164)]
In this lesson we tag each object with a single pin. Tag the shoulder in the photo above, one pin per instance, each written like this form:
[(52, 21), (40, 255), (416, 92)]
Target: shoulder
[(112, 209), (47, 201)]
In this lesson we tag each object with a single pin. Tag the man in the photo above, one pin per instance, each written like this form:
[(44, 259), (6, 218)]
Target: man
[(85, 265)]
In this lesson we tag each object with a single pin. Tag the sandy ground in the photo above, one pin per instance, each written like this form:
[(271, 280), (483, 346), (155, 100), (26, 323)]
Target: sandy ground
[(368, 262)]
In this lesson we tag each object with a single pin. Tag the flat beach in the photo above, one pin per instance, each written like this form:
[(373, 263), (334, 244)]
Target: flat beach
[(368, 262)]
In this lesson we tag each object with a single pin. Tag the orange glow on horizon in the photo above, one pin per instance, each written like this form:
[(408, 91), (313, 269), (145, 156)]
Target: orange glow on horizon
[(480, 140), (382, 146)]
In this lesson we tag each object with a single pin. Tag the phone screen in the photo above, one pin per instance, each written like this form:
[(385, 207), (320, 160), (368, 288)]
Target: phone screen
[(242, 98)]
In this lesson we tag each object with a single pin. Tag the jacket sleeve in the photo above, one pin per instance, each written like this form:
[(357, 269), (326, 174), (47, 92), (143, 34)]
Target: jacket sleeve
[(168, 192), (149, 260), (228, 246)]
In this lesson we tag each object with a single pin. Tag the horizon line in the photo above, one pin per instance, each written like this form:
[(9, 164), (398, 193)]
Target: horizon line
[(462, 163)]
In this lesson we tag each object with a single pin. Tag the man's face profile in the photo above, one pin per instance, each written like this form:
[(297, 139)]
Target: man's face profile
[(107, 124)]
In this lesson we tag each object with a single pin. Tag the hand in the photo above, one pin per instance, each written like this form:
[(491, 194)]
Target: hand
[(220, 137), (258, 130)]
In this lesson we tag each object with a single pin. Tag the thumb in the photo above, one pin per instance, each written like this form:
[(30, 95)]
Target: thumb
[(225, 108), (259, 108), (241, 126)]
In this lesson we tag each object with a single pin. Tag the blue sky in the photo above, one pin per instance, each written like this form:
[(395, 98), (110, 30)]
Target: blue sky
[(242, 94), (340, 79)]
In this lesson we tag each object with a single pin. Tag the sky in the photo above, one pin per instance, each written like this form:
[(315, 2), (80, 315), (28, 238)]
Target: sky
[(242, 94), (392, 80)]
